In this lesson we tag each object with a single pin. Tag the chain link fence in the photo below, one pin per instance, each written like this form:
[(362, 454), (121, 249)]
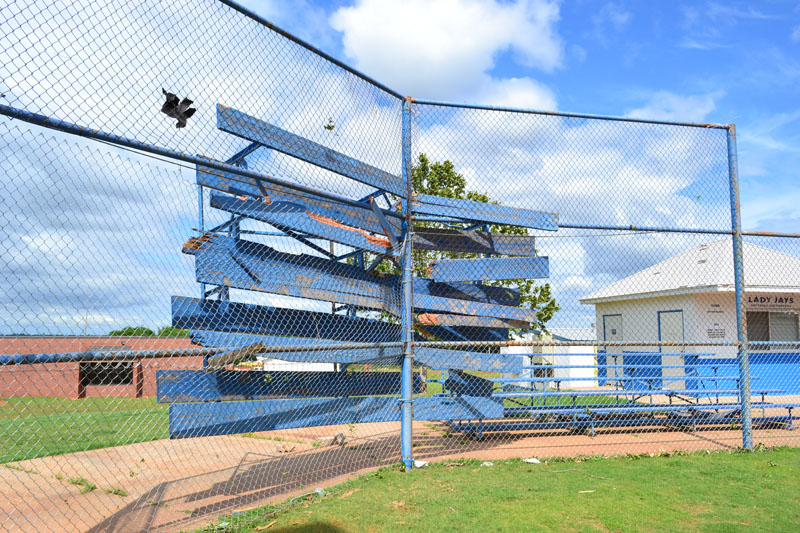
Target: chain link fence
[(208, 312)]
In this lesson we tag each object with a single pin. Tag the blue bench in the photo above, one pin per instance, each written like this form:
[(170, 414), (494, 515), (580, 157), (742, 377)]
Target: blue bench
[(697, 400)]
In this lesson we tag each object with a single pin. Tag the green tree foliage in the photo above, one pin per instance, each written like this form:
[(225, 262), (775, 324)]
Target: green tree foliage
[(169, 331), (141, 331), (441, 179), (132, 331)]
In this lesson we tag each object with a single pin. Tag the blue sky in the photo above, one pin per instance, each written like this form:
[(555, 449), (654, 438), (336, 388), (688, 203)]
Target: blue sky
[(731, 62), (692, 61)]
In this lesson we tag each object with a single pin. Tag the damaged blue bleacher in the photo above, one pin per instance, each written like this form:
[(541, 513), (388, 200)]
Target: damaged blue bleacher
[(224, 398)]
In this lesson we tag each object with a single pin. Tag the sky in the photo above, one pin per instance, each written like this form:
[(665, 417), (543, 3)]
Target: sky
[(104, 251), (718, 62)]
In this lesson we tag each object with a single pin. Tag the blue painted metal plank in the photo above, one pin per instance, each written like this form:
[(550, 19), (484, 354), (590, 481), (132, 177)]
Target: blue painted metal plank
[(638, 393), (486, 269), (247, 265), (426, 204), (178, 386), (448, 240), (431, 357), (477, 242), (224, 315), (295, 217), (359, 217), (224, 418), (460, 333), (194, 313), (242, 125), (459, 382), (375, 355), (465, 291)]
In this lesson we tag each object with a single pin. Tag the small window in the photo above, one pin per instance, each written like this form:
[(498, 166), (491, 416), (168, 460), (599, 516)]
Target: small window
[(783, 327), (772, 326), (116, 373)]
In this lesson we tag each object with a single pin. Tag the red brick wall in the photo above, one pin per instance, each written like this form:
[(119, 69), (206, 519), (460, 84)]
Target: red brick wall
[(54, 379), (61, 379)]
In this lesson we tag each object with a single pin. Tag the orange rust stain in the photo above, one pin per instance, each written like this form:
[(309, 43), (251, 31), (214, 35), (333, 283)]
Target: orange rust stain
[(380, 241), (196, 243), (429, 319), (265, 199)]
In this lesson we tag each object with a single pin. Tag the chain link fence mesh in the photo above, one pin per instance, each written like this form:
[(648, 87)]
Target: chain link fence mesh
[(182, 342)]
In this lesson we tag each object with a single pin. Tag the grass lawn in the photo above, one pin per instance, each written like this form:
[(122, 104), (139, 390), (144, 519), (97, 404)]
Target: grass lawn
[(756, 491), (37, 427)]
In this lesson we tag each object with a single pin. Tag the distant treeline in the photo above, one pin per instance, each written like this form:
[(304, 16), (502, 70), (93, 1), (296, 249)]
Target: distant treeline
[(141, 331)]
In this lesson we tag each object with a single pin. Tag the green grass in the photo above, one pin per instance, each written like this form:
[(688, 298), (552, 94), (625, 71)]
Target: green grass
[(698, 492), (86, 485), (436, 388), (38, 427)]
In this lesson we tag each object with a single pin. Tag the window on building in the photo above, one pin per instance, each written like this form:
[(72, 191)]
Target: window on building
[(772, 326), (116, 373)]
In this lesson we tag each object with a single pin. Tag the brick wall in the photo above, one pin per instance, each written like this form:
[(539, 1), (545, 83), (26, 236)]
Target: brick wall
[(62, 379)]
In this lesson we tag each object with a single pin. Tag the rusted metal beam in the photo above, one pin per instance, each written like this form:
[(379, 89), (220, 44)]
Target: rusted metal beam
[(296, 217), (434, 319), (358, 215), (326, 351)]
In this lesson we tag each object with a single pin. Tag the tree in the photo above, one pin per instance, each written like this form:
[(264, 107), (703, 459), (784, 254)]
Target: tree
[(142, 331), (132, 331), (441, 179), (169, 331)]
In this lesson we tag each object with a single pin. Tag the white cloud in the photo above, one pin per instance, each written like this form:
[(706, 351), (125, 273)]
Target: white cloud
[(664, 105), (578, 52), (729, 13), (613, 15), (445, 49), (302, 18), (518, 92), (796, 34), (694, 43)]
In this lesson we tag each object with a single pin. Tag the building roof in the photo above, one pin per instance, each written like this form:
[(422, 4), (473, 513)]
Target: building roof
[(573, 334), (23, 344), (707, 268)]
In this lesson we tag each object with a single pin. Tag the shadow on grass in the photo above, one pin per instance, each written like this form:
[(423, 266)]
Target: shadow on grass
[(314, 527), (259, 479)]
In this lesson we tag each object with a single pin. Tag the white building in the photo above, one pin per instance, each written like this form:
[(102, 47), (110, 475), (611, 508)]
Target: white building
[(571, 366), (690, 297)]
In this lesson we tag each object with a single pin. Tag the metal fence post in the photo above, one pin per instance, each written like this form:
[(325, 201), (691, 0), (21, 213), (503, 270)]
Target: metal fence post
[(406, 305), (201, 225), (738, 273)]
